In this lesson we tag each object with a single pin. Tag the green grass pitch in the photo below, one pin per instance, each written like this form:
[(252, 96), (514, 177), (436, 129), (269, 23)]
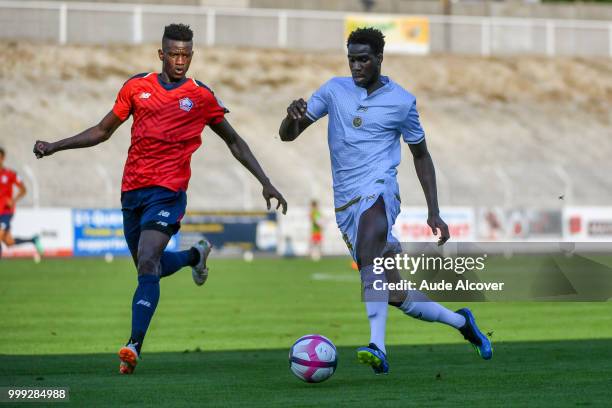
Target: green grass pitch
[(226, 344)]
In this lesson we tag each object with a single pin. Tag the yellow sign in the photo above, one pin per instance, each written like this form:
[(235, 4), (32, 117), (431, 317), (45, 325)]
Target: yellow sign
[(408, 35)]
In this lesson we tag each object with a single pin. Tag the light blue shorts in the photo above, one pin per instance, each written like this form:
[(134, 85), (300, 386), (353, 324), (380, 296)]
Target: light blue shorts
[(348, 215)]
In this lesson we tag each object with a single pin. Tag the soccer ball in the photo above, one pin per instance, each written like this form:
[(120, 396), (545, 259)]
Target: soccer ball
[(313, 358)]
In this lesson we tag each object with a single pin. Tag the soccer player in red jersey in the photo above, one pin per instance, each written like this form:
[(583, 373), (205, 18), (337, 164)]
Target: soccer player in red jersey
[(8, 181), (170, 111)]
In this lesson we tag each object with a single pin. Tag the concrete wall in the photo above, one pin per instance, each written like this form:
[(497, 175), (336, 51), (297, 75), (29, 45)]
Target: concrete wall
[(296, 30), (587, 11), (209, 3), (475, 8)]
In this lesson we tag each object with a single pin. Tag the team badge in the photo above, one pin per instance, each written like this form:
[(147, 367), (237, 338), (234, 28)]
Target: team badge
[(185, 104), (357, 122)]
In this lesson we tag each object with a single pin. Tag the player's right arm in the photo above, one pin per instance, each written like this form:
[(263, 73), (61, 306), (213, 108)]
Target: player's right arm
[(413, 134), (90, 137), (99, 133), (301, 114), (295, 122)]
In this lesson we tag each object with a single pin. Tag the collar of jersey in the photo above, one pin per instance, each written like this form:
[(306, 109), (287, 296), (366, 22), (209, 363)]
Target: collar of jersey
[(169, 86), (363, 93)]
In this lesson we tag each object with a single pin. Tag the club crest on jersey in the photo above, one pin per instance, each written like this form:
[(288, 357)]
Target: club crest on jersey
[(357, 122), (185, 104)]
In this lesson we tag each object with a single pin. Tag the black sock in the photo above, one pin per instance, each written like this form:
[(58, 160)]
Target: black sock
[(194, 257)]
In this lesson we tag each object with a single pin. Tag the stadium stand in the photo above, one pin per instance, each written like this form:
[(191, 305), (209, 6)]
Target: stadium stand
[(517, 131)]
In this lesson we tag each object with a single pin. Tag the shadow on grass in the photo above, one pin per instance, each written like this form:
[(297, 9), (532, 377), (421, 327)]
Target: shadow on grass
[(552, 373)]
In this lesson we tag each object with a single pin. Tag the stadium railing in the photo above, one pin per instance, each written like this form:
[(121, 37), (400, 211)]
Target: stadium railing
[(103, 23)]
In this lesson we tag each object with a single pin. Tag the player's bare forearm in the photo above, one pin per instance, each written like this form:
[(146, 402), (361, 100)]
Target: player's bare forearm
[(289, 129), (241, 151), (20, 194), (295, 122), (88, 138), (426, 173), (427, 177)]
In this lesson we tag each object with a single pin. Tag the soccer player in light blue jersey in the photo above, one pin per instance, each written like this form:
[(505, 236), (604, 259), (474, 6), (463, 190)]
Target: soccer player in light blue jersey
[(368, 114)]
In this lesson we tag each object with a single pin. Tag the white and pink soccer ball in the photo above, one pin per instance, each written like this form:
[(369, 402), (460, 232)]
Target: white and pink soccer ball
[(313, 358)]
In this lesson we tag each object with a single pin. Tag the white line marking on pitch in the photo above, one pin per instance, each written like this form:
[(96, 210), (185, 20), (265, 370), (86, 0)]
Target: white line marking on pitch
[(335, 278)]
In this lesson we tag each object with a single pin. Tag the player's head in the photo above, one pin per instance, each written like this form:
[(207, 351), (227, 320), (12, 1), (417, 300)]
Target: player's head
[(176, 50), (313, 203), (365, 55)]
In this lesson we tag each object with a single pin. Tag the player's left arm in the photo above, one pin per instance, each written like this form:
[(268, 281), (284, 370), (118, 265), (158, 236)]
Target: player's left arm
[(427, 177), (241, 151), (21, 192)]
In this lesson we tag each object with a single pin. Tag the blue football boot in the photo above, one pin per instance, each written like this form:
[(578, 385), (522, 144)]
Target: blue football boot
[(471, 333), (374, 357)]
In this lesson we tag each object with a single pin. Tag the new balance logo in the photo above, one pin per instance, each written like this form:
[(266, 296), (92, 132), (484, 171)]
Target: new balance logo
[(164, 214), (145, 95), (163, 224), (144, 303)]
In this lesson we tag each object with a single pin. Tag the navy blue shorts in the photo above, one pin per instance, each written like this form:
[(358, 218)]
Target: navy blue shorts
[(5, 222), (151, 208)]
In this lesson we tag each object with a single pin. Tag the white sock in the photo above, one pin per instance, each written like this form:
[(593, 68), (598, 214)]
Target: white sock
[(421, 307), (376, 306), (377, 315)]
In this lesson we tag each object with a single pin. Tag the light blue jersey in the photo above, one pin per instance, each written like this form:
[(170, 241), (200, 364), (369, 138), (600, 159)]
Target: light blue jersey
[(364, 131), (364, 144)]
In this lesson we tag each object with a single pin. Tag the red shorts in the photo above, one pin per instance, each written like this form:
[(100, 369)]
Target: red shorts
[(316, 237)]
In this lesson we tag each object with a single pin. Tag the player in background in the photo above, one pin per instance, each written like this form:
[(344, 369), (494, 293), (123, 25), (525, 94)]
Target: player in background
[(170, 111), (8, 200), (368, 113), (316, 232)]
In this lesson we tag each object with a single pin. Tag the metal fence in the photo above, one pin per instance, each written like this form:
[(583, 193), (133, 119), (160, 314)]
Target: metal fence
[(104, 23)]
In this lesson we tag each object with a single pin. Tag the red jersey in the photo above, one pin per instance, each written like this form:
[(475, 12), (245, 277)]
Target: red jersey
[(8, 179), (167, 128)]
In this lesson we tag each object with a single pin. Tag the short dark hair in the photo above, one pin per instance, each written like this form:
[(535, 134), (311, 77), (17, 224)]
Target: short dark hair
[(368, 36), (2, 153), (178, 32)]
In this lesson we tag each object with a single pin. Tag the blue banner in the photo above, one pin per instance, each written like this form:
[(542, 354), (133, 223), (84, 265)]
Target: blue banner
[(100, 232), (231, 230)]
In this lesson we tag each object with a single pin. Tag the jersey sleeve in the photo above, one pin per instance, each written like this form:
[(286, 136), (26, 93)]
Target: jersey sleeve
[(410, 127), (318, 104), (123, 103), (215, 109)]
